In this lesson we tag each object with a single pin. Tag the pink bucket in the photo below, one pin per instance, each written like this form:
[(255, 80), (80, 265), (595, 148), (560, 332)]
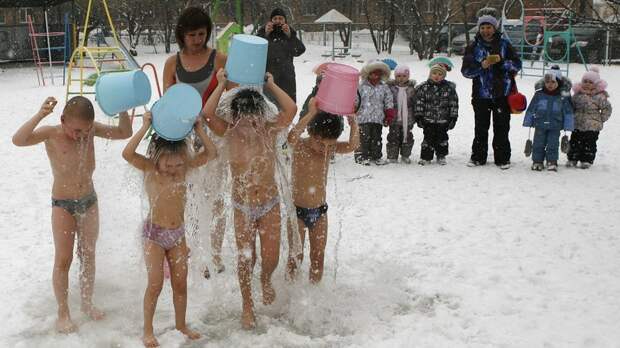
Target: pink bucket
[(338, 89)]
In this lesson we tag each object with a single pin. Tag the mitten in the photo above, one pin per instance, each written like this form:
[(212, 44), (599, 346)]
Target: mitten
[(528, 148), (565, 145), (390, 115)]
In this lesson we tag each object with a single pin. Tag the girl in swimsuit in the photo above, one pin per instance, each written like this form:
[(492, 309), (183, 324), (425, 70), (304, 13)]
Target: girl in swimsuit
[(165, 168), (195, 64)]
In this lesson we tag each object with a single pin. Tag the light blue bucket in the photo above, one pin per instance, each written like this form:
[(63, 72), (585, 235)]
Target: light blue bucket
[(175, 113), (121, 91), (247, 60)]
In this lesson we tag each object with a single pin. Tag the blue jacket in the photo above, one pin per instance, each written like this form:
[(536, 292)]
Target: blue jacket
[(496, 81), (548, 111)]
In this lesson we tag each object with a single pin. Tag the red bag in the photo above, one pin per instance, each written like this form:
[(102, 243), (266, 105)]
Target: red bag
[(516, 101)]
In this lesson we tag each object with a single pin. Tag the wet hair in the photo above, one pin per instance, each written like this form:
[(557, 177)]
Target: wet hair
[(326, 125), (192, 18), (247, 102), (79, 107), (160, 146)]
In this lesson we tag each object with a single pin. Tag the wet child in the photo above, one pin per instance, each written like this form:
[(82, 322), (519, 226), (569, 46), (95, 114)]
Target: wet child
[(549, 112), (310, 164), (376, 110), (592, 110), (165, 168), (250, 125), (400, 137), (436, 111), (75, 213)]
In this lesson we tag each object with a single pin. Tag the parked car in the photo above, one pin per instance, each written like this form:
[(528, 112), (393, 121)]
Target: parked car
[(444, 39), (459, 43)]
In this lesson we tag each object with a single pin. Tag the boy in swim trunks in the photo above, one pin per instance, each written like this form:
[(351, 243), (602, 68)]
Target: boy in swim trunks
[(249, 125), (310, 164), (75, 213)]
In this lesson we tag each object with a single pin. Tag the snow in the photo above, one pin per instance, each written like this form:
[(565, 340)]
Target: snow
[(434, 256)]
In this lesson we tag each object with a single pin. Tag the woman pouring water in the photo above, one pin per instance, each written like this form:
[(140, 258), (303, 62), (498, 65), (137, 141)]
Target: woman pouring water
[(195, 64)]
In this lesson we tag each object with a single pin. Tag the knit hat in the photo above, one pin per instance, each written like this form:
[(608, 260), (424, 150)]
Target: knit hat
[(553, 74), (486, 19), (440, 68), (374, 65), (592, 75), (401, 70), (277, 12)]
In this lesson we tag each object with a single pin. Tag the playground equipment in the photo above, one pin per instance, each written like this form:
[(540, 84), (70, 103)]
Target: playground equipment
[(49, 62), (557, 28), (101, 59)]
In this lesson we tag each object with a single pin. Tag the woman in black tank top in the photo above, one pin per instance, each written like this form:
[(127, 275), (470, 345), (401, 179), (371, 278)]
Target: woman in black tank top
[(195, 63)]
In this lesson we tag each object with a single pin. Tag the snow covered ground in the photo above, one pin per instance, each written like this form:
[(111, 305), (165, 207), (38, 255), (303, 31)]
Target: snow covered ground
[(416, 257)]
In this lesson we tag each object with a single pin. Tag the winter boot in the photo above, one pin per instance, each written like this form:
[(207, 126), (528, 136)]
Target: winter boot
[(441, 161), (552, 166), (538, 166)]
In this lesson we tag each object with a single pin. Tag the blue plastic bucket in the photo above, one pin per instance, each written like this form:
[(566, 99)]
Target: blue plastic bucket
[(121, 91), (247, 60), (175, 113)]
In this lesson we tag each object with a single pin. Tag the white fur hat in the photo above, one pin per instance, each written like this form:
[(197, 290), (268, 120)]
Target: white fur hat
[(374, 65)]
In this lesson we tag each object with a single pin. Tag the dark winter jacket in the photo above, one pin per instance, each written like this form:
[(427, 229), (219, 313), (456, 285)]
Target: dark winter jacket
[(549, 111), (496, 81), (282, 49), (410, 101), (436, 103)]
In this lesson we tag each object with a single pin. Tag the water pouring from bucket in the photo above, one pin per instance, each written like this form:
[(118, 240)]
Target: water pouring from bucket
[(247, 60), (175, 113), (121, 91), (338, 89)]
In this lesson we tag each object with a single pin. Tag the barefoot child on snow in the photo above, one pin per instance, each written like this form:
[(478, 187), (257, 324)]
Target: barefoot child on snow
[(250, 125), (165, 168), (75, 213), (310, 164)]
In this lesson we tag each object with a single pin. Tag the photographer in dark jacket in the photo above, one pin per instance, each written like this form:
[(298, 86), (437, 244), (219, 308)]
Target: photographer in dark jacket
[(283, 47), (491, 62)]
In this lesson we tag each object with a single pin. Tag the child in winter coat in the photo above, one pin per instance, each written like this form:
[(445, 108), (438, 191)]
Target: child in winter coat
[(592, 109), (436, 111), (549, 112), (400, 138), (565, 85), (376, 109)]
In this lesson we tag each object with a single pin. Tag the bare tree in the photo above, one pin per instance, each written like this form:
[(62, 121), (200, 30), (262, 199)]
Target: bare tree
[(425, 20), (606, 13)]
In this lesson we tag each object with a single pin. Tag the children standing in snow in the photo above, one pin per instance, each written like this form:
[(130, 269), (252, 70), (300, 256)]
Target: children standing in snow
[(592, 109), (310, 163), (75, 214), (376, 110), (400, 138), (436, 111), (165, 168), (250, 125), (549, 112)]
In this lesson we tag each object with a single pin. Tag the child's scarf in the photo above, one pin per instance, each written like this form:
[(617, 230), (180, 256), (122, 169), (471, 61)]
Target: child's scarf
[(403, 110)]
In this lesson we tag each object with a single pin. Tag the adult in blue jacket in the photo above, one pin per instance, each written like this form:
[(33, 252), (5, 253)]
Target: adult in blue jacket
[(491, 62)]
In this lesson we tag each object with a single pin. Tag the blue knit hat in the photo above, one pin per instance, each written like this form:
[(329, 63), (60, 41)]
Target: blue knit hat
[(486, 19)]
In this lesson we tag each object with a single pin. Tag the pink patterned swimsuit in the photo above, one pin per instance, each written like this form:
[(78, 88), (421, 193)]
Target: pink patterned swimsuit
[(164, 237)]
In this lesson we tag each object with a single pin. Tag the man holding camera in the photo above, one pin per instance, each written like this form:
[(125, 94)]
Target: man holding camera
[(283, 47)]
